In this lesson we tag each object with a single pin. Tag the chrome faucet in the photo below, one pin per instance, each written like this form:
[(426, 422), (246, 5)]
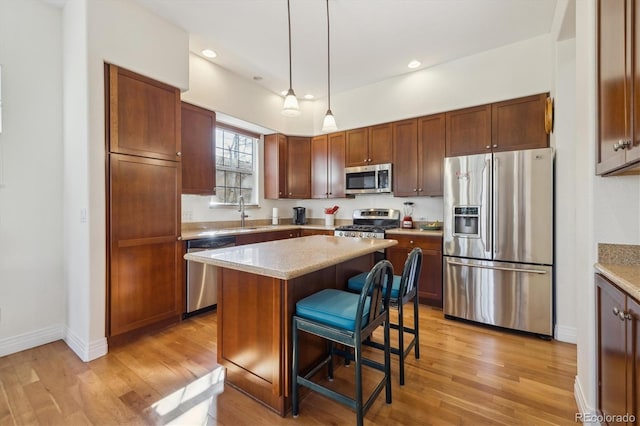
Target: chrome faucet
[(241, 210)]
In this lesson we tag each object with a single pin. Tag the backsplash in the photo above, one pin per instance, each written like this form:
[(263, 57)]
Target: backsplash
[(195, 208), (619, 254)]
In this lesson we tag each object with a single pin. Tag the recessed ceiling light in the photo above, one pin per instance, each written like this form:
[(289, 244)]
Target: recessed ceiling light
[(257, 78), (309, 96), (209, 53), (414, 64)]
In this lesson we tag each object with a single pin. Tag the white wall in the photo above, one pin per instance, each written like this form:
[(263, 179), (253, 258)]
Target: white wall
[(122, 33), (32, 291), (607, 209), (564, 142), (511, 71)]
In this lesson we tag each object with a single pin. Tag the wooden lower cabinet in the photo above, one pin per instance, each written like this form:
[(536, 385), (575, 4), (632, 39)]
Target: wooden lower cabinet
[(430, 285), (260, 237), (145, 256), (308, 232), (617, 340)]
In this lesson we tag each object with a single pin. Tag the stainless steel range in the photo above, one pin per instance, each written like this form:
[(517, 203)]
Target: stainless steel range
[(370, 223)]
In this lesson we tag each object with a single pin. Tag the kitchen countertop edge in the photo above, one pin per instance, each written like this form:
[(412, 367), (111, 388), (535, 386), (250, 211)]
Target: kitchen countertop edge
[(627, 277), (304, 264)]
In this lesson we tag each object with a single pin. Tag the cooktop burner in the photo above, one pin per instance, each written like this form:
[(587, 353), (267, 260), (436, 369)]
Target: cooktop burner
[(369, 223)]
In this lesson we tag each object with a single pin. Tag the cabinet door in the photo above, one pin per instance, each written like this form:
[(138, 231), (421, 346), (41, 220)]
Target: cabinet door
[(198, 150), (611, 347), (336, 164), (145, 256), (320, 167), (431, 143), (430, 285), (633, 360), (380, 144), (143, 115), (519, 124), (298, 167), (405, 158), (614, 85), (275, 163), (357, 148), (468, 131)]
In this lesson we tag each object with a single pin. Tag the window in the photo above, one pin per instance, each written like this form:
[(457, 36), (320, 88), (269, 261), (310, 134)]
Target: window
[(235, 166)]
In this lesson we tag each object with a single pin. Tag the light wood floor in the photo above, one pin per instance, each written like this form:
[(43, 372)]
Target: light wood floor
[(465, 375)]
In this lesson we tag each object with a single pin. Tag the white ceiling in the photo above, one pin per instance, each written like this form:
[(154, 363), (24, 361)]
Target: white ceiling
[(371, 40)]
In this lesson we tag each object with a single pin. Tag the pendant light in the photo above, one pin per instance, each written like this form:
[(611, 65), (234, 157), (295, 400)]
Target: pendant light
[(329, 122), (290, 107)]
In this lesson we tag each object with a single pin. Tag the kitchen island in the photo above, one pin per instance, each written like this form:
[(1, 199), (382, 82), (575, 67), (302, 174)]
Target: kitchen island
[(258, 287)]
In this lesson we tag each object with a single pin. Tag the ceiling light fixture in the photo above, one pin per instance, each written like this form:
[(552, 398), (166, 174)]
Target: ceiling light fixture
[(414, 64), (209, 53), (290, 107), (329, 122)]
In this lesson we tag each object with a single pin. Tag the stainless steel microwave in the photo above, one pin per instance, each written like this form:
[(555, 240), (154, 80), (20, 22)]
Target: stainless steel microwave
[(372, 179)]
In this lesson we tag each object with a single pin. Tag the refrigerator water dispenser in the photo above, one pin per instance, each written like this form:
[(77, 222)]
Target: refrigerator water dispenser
[(466, 221)]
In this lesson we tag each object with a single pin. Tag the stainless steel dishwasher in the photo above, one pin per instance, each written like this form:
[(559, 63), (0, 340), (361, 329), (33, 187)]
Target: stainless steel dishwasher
[(202, 279)]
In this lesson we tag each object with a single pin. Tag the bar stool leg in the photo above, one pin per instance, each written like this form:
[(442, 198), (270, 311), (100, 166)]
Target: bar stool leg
[(416, 347), (294, 372), (401, 339)]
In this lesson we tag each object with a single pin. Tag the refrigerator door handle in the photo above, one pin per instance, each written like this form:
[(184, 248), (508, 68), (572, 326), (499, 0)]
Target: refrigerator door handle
[(495, 205), (487, 216), (500, 268)]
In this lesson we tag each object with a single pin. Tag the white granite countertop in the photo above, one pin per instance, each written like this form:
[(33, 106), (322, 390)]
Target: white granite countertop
[(290, 258)]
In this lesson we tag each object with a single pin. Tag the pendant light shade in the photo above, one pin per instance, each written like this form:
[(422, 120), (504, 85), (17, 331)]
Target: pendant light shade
[(290, 107), (329, 122)]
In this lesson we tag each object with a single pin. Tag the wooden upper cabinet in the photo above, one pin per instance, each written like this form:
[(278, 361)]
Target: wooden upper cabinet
[(144, 115), (357, 148), (336, 147), (320, 166), (468, 131), (519, 124), (369, 145), (327, 165), (298, 167), (418, 153), (275, 166), (405, 158), (198, 150), (618, 90), (431, 147), (381, 144)]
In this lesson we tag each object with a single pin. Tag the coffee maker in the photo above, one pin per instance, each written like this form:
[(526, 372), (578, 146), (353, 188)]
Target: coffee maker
[(299, 214)]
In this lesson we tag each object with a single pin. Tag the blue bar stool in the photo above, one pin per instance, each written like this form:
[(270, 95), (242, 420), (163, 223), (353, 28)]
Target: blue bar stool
[(345, 318), (403, 290)]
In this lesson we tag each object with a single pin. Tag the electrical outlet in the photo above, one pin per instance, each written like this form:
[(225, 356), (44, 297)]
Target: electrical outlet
[(187, 215), (83, 215)]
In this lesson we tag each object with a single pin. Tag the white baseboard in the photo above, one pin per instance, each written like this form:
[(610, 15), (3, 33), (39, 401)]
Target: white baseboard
[(566, 334), (21, 342), (583, 408), (86, 352)]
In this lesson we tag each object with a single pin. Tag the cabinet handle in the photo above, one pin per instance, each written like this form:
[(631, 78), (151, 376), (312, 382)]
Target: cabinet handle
[(622, 144), (488, 146), (415, 190), (419, 189), (620, 314), (369, 159), (290, 194), (331, 193), (179, 154), (179, 238), (495, 146), (411, 242), (628, 316)]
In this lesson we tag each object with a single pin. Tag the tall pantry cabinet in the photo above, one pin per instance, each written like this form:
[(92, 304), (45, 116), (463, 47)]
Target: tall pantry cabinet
[(144, 253)]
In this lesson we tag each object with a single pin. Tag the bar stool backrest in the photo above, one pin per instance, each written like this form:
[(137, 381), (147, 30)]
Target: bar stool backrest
[(411, 273), (381, 273)]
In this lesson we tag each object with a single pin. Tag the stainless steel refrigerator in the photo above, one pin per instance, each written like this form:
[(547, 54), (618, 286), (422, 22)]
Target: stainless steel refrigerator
[(498, 239)]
